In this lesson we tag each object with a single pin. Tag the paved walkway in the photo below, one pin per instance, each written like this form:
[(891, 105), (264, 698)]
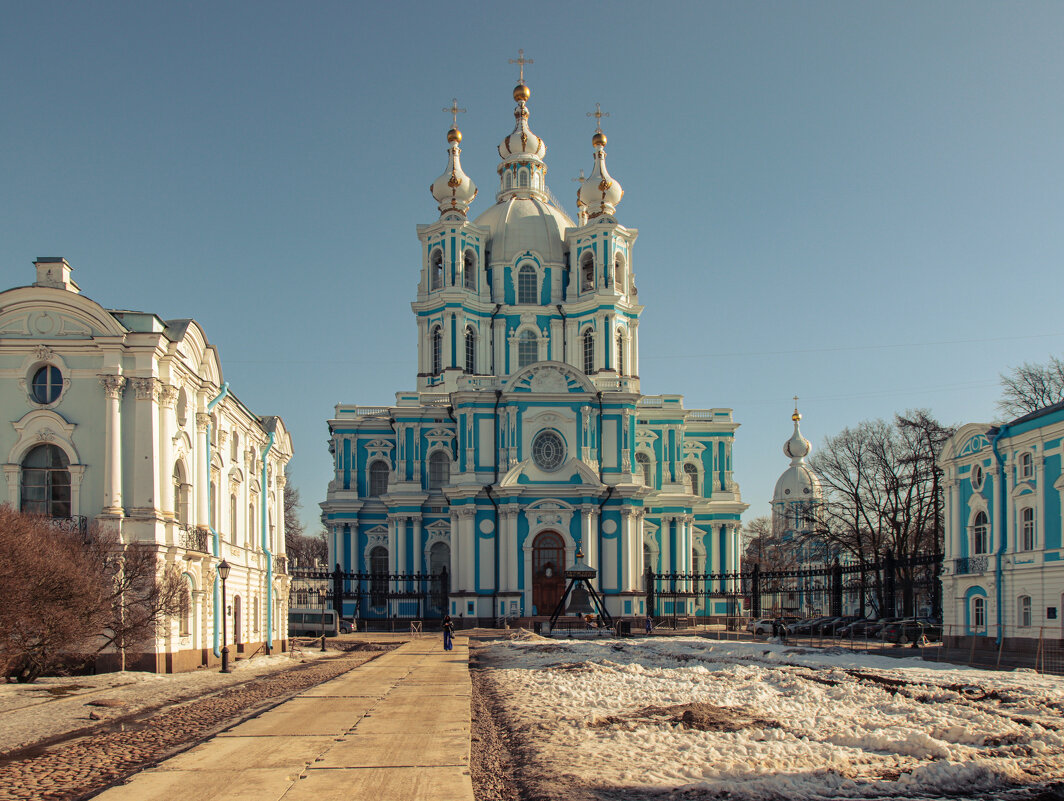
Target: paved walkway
[(394, 728)]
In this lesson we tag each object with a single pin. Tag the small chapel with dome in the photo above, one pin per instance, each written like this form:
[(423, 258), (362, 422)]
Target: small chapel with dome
[(797, 503), (527, 438)]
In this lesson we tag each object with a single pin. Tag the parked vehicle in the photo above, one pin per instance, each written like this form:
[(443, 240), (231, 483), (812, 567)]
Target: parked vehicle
[(833, 627), (862, 627), (806, 626), (762, 626), (902, 632), (312, 623)]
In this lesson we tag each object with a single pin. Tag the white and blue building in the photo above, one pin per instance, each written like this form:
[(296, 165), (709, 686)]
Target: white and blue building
[(527, 437), (1003, 579)]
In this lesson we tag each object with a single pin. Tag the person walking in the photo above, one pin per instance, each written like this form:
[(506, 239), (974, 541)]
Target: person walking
[(448, 633)]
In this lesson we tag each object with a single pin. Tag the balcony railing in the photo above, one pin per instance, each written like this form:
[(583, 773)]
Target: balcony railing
[(78, 524), (192, 538), (971, 564)]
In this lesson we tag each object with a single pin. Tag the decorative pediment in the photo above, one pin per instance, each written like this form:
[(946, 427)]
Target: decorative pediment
[(1026, 488), (691, 448), (379, 447), (573, 472), (550, 377), (43, 425), (438, 435), (644, 436), (974, 445)]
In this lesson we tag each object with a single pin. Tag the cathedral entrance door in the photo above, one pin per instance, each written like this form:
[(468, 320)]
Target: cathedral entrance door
[(548, 571)]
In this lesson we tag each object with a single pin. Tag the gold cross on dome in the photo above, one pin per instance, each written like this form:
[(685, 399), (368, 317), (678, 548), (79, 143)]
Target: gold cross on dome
[(795, 401), (598, 114), (521, 61), (454, 111)]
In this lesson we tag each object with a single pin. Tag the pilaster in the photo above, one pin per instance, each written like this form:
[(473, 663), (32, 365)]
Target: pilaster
[(113, 386)]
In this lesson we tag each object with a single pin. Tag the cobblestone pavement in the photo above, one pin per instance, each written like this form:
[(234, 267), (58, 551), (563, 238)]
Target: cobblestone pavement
[(73, 770)]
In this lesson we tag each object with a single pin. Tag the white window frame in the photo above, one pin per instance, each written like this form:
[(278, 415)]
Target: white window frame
[(1027, 539)]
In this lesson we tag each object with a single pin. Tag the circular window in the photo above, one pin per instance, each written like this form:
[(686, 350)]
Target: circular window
[(548, 450), (47, 384), (977, 477)]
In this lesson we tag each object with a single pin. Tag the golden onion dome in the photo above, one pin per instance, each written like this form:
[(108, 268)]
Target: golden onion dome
[(454, 135), (522, 93), (599, 139)]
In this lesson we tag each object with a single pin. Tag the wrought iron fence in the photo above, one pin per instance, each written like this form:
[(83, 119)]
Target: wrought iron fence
[(78, 524), (885, 588), (373, 596)]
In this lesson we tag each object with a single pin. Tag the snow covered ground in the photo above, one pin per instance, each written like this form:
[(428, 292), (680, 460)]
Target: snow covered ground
[(52, 706), (693, 718)]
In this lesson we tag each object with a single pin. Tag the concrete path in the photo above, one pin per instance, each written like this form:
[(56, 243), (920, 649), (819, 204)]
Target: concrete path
[(394, 729)]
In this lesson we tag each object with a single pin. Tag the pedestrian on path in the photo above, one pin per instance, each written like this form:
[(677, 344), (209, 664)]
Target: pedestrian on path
[(448, 633)]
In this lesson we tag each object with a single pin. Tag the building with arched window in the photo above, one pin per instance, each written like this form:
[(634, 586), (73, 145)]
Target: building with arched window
[(122, 418), (526, 437), (1003, 575)]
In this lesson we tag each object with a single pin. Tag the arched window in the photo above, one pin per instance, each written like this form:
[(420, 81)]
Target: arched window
[(522, 178), (587, 272), (620, 353), (234, 448), (378, 478), (212, 501), (185, 608), (436, 270), (1027, 529), (1025, 610), (979, 614), (181, 494), (470, 351), (437, 351), (378, 567), (526, 284), (232, 519), (251, 525), (980, 532), (589, 351), (47, 384), (46, 482), (527, 349), (619, 282), (648, 559), (643, 461), (509, 180), (692, 474), (439, 470), (469, 270)]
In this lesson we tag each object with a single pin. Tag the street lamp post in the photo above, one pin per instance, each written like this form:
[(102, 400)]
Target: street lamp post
[(321, 596), (223, 573)]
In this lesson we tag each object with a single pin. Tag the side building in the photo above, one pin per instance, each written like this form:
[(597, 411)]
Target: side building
[(1003, 579), (122, 418), (527, 438)]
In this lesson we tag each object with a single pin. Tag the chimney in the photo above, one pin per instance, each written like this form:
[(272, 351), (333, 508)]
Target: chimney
[(54, 272)]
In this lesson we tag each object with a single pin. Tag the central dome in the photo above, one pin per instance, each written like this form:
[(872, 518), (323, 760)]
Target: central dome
[(520, 224)]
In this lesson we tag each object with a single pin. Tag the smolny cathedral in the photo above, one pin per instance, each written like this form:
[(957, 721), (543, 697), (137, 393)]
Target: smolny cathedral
[(527, 439)]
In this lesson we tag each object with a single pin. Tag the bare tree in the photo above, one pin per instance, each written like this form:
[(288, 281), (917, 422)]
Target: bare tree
[(1031, 387), (302, 549), (54, 604), (70, 594), (767, 548)]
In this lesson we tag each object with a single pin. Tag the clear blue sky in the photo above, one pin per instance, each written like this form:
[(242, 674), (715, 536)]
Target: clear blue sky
[(860, 203)]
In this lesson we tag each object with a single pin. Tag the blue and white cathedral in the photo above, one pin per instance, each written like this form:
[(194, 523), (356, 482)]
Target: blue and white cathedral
[(527, 438)]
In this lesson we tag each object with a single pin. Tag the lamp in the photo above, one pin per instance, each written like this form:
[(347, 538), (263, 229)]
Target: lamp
[(223, 574)]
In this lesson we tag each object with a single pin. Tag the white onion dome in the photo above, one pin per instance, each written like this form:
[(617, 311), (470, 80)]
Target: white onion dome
[(798, 482), (599, 193), (522, 172), (454, 190)]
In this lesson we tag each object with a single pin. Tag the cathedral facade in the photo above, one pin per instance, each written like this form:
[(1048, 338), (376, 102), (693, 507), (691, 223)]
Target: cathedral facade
[(527, 438)]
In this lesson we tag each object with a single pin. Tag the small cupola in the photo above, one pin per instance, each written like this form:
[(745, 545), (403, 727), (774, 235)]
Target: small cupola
[(599, 194), (454, 190), (522, 172)]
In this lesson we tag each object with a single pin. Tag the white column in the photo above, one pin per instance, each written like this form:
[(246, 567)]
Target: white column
[(393, 544), (113, 385), (420, 565), (469, 548), (640, 563), (508, 556), (666, 544), (146, 447), (167, 399), (401, 541), (457, 554), (634, 351), (202, 483), (626, 548)]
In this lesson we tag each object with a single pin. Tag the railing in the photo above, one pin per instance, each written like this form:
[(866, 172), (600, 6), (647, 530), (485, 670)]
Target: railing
[(971, 564), (192, 538), (76, 524), (367, 411), (621, 384)]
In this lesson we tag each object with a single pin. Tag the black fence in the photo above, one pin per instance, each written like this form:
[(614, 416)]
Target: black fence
[(372, 596), (885, 588)]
